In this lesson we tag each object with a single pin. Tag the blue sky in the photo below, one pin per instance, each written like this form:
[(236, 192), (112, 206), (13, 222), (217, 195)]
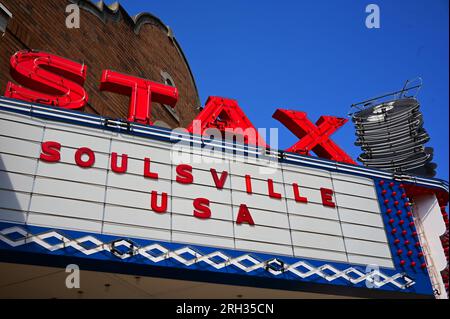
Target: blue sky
[(314, 56)]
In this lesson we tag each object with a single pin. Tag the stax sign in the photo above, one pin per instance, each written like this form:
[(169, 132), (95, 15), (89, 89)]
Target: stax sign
[(49, 79), (85, 158)]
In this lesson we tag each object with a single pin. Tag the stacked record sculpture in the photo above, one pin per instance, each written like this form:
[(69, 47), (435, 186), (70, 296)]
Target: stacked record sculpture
[(392, 137)]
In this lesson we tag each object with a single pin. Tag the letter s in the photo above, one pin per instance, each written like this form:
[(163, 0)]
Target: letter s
[(50, 151), (202, 210), (49, 79), (184, 174)]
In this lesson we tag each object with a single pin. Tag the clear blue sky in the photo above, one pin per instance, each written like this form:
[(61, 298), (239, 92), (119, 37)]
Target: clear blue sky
[(314, 56)]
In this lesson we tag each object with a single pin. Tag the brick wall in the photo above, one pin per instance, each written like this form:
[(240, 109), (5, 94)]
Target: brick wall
[(108, 38)]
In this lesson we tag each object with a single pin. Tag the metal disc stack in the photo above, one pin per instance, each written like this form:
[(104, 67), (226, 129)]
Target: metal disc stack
[(392, 137)]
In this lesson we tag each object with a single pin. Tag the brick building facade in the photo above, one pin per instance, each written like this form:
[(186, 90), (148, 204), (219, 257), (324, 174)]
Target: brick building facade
[(108, 38)]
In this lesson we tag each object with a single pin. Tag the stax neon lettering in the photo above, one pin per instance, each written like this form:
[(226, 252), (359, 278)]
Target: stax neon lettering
[(53, 80)]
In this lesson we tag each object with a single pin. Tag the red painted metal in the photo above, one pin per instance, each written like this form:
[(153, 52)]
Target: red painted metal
[(50, 151), (201, 208), (413, 191), (314, 137), (53, 80), (226, 115), (147, 171), (219, 181), (244, 216), (86, 152), (142, 93), (162, 208), (47, 79), (115, 167)]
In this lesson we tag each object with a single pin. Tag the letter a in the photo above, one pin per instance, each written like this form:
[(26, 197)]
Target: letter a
[(244, 216)]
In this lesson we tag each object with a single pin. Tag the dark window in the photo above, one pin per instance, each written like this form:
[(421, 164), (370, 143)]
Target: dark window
[(5, 16), (168, 80)]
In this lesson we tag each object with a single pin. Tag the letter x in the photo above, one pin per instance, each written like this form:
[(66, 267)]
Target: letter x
[(313, 137)]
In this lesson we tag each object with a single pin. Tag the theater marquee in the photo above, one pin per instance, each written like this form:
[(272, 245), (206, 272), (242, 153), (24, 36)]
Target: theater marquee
[(82, 187)]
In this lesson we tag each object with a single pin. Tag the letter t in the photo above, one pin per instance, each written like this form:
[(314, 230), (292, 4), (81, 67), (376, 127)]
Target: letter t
[(141, 92)]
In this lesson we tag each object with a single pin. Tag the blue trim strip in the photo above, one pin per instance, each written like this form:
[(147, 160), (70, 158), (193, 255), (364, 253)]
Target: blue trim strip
[(403, 242), (111, 253)]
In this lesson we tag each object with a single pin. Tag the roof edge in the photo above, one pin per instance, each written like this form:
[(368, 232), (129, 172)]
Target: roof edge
[(116, 11)]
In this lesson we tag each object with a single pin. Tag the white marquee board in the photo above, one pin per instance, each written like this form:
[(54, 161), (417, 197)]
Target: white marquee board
[(97, 200)]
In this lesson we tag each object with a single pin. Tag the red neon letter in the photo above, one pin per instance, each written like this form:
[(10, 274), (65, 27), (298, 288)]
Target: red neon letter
[(298, 198), (327, 197), (142, 93), (50, 151), (272, 193), (202, 210), (49, 79), (219, 182), (147, 172), (248, 184), (161, 208), (244, 216), (84, 151), (123, 167), (184, 174), (314, 137), (225, 114)]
